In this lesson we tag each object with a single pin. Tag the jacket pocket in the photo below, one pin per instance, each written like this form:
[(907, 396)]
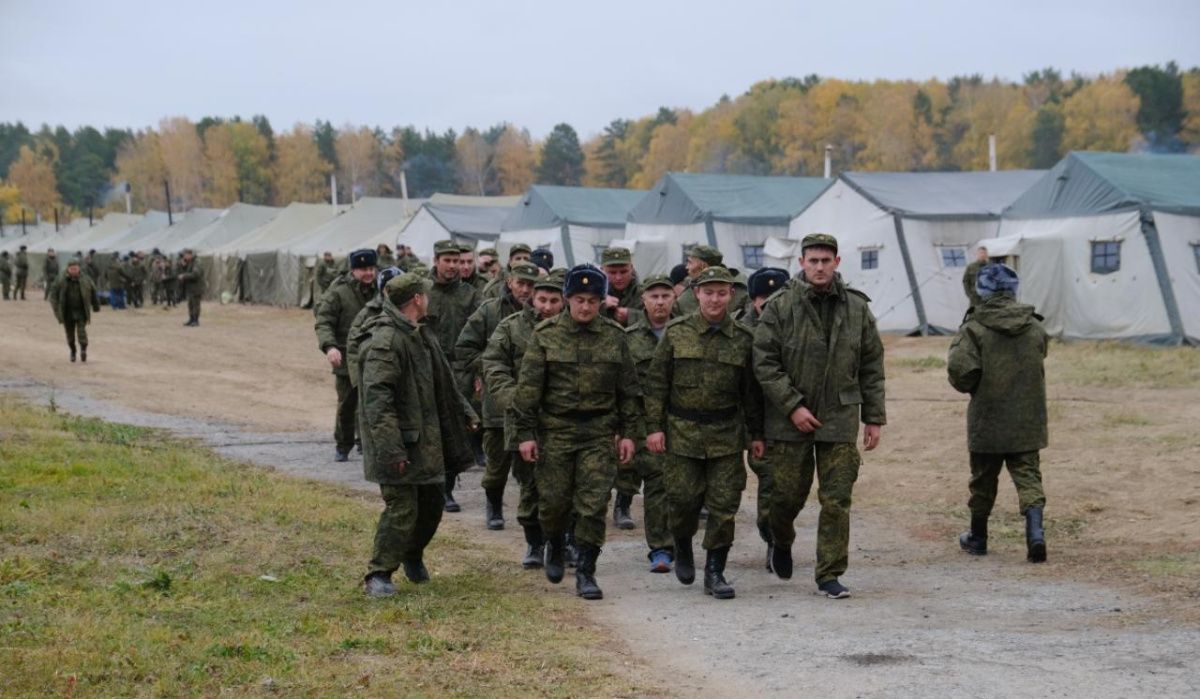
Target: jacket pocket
[(410, 436), (850, 396)]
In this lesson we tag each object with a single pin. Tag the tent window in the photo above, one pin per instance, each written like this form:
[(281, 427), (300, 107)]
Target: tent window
[(870, 259), (1106, 256), (752, 256), (598, 251), (954, 257), (1196, 254)]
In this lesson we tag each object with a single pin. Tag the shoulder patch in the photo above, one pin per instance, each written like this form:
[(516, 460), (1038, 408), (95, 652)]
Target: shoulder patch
[(744, 328), (612, 323), (676, 321), (547, 323)]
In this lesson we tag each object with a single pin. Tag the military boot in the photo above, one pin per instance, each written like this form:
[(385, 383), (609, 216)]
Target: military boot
[(83, 353), (685, 564), (974, 540), (781, 561), (570, 550), (554, 559), (585, 573), (72, 352), (379, 585), (714, 575), (451, 504), (764, 532), (495, 509), (1035, 536), (415, 571), (536, 548), (621, 517)]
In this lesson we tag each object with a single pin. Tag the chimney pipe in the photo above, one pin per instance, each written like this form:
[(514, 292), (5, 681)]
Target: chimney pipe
[(333, 192), (991, 152), (828, 161), (404, 192)]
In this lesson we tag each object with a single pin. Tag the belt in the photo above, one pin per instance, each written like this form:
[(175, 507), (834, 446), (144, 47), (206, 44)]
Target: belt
[(581, 415), (704, 415)]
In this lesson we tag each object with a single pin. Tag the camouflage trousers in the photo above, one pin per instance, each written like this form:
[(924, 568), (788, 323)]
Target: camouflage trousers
[(527, 502), (762, 518), (19, 287), (193, 301), (575, 477), (347, 413), (835, 465), (1026, 472), (410, 518), (75, 328), (648, 468), (499, 460), (7, 286), (715, 483), (629, 482)]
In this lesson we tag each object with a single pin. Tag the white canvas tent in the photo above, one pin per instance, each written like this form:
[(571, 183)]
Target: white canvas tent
[(462, 223), (574, 223), (1107, 245), (905, 238)]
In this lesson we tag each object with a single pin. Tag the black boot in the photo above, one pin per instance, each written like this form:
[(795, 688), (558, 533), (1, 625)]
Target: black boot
[(451, 505), (495, 509), (83, 353), (554, 559), (974, 540), (685, 565), (714, 575), (585, 573), (72, 352), (1035, 536), (536, 550), (570, 550), (415, 571), (781, 560), (764, 532), (621, 517)]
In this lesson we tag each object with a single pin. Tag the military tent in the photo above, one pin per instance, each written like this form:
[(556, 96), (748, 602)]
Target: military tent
[(574, 223), (463, 223)]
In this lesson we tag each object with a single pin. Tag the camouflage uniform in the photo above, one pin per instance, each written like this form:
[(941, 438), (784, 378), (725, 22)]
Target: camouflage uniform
[(5, 274), (748, 317), (323, 275), (73, 301), (342, 301), (49, 274), (450, 304), (970, 275), (406, 261), (21, 265), (137, 282), (191, 280), (355, 336), (648, 466), (820, 350)]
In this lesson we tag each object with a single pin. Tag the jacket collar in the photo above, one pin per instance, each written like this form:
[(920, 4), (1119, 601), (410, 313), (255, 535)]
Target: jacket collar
[(699, 322)]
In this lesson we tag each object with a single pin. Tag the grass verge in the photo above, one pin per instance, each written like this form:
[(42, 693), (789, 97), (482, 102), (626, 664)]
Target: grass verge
[(133, 564)]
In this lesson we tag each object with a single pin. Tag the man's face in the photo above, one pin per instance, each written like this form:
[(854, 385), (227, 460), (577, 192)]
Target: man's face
[(466, 265), (584, 307), (819, 264), (51, 253), (695, 266), (658, 301), (981, 255), (619, 276), (522, 289), (329, 258), (187, 258), (73, 271), (714, 300), (364, 275), (547, 302), (446, 266), (485, 263), (518, 257)]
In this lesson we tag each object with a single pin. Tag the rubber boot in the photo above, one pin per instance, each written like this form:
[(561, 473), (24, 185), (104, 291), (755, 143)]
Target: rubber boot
[(535, 552), (554, 559), (570, 550), (83, 353), (72, 352), (415, 571), (781, 561), (974, 540), (585, 573), (685, 564), (451, 505), (714, 575), (1035, 536), (495, 509), (621, 516)]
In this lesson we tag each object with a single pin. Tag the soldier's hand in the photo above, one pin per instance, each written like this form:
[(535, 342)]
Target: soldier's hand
[(400, 467), (529, 451), (804, 420), (621, 315), (871, 436), (611, 301), (478, 386), (625, 450), (758, 448), (334, 357), (656, 442)]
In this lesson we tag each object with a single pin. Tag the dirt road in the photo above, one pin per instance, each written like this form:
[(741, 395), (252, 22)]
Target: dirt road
[(1115, 612)]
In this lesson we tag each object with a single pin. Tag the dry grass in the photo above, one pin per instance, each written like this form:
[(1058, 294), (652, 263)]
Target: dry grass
[(1123, 365)]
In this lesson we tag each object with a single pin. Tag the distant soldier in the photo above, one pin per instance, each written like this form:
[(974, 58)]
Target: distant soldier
[(191, 285), (466, 268), (998, 357), (170, 283), (643, 334), (405, 258), (414, 425), (90, 268), (819, 360), (971, 274), (543, 259), (116, 279), (486, 265), (384, 257), (623, 296), (21, 264), (137, 280), (49, 272), (699, 258), (577, 412), (324, 272), (73, 298), (517, 253), (6, 271), (501, 363), (356, 336), (468, 351), (340, 304), (451, 302)]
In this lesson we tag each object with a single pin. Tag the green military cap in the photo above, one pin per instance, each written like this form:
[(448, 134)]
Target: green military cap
[(525, 270), (739, 279), (518, 248), (706, 254), (656, 280), (465, 247), (445, 247), (714, 275), (616, 256), (488, 251), (402, 288), (419, 268), (818, 240), (74, 261), (553, 280)]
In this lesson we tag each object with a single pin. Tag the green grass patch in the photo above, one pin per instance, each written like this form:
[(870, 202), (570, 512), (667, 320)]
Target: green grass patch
[(919, 364), (1170, 565), (1123, 365), (134, 564)]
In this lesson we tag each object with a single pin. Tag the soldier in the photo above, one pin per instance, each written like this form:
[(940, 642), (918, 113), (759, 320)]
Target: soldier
[(337, 310), (21, 264), (623, 291), (468, 350), (73, 298), (90, 268), (517, 253), (355, 335), (5, 273), (819, 360), (467, 271), (137, 280), (997, 357), (501, 363), (191, 285), (703, 408), (324, 272), (170, 283), (451, 302), (543, 258), (158, 272), (116, 278), (487, 267), (577, 398), (414, 427), (679, 278), (699, 258), (405, 259), (645, 330), (971, 274), (49, 272), (384, 257)]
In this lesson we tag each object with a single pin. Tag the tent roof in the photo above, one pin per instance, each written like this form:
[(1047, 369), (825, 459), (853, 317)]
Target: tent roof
[(684, 197), (547, 206), (353, 228), (233, 223), (167, 238), (943, 194), (1085, 183), (292, 222), (471, 221), (468, 200)]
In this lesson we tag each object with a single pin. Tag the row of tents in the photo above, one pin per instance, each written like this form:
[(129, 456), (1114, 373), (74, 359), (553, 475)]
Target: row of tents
[(1107, 244)]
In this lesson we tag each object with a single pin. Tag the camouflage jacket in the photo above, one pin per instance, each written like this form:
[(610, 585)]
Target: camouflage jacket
[(970, 276), (5, 269), (478, 281), (501, 364), (839, 380), (631, 299), (64, 302), (450, 304), (92, 269), (494, 287), (116, 276), (21, 263), (473, 340), (407, 261), (323, 275), (997, 356), (49, 270), (577, 381), (137, 274), (409, 409), (700, 388), (192, 283), (341, 302), (359, 333)]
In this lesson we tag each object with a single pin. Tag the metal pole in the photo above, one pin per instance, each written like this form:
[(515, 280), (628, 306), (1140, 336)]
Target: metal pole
[(22, 220), (56, 219), (404, 192), (333, 192), (170, 218), (991, 152), (128, 200), (91, 221), (828, 161)]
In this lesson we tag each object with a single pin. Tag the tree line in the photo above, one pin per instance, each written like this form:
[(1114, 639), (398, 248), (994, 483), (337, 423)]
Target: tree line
[(777, 127)]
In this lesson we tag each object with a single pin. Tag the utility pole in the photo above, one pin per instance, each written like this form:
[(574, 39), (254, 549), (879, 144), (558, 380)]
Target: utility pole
[(828, 161), (170, 218), (991, 152)]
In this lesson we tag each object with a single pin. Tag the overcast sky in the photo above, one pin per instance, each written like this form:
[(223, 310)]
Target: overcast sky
[(449, 64)]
